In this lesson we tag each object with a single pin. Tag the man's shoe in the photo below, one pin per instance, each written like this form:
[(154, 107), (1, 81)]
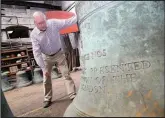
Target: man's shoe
[(47, 104)]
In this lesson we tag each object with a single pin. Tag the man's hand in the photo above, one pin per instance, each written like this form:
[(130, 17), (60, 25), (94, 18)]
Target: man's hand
[(47, 74)]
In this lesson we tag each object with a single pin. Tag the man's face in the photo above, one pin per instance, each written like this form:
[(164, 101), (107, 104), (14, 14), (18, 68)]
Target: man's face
[(40, 23)]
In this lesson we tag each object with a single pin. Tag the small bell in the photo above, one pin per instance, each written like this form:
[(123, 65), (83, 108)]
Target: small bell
[(22, 79), (38, 76)]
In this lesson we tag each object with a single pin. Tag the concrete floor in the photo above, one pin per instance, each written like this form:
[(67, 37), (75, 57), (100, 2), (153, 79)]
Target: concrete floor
[(28, 101)]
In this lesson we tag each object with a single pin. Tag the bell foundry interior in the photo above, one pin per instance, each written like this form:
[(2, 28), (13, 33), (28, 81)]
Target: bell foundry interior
[(82, 58)]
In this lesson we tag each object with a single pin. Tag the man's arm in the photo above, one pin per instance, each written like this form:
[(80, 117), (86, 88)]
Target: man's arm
[(37, 53), (62, 23)]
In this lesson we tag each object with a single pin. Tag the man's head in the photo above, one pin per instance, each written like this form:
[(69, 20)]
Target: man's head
[(40, 20)]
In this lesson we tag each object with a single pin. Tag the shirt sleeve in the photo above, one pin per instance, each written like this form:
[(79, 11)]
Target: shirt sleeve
[(37, 53), (63, 23)]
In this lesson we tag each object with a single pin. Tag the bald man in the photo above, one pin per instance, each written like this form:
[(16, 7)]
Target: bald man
[(47, 51)]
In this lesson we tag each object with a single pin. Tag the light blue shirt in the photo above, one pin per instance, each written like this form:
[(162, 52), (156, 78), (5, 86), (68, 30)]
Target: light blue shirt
[(48, 42)]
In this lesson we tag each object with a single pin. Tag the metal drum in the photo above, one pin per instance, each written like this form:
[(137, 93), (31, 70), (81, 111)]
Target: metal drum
[(122, 55)]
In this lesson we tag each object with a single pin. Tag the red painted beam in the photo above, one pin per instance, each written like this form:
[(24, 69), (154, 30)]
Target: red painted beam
[(63, 15)]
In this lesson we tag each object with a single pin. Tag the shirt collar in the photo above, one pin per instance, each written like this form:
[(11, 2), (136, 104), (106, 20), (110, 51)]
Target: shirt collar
[(38, 31)]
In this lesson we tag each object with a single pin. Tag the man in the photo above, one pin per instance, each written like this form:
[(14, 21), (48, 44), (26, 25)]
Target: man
[(47, 51)]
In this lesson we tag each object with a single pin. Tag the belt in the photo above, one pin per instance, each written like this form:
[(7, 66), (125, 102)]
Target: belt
[(55, 53)]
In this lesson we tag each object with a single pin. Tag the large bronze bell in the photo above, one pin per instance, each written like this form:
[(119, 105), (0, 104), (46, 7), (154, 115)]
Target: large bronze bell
[(5, 109), (122, 55), (22, 79), (38, 76), (6, 86)]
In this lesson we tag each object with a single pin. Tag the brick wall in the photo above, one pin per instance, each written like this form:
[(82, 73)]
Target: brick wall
[(17, 15)]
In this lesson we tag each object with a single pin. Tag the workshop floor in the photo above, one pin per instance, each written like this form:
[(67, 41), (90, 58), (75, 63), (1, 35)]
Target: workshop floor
[(28, 101)]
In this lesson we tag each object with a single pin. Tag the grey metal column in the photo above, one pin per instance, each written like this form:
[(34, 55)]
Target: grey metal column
[(5, 109)]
